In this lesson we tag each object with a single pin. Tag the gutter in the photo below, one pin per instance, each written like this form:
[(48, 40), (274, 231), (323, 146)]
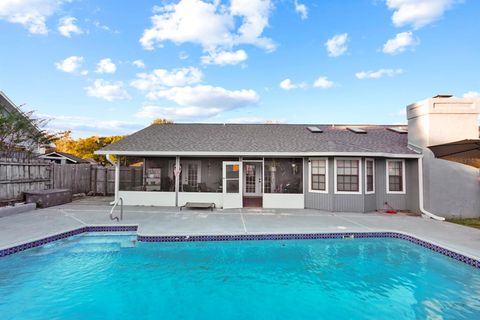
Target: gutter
[(420, 195)]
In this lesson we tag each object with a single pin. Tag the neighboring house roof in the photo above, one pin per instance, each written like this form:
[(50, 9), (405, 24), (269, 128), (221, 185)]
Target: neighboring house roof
[(59, 155), (8, 107), (162, 139)]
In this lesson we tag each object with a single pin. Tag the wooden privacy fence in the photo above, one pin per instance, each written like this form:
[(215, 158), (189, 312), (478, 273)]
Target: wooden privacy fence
[(20, 175)]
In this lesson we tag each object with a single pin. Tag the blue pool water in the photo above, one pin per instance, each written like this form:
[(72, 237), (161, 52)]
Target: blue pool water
[(112, 277)]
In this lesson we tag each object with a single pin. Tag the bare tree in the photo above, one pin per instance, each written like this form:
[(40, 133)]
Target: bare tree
[(22, 132)]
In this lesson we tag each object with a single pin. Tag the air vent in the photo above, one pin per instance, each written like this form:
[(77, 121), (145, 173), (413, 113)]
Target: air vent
[(398, 130), (315, 129), (357, 130)]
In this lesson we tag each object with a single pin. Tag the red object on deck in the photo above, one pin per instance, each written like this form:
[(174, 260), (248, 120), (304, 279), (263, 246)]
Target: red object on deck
[(391, 212)]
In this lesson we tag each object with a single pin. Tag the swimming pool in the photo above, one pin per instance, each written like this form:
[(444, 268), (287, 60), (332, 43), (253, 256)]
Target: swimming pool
[(105, 276)]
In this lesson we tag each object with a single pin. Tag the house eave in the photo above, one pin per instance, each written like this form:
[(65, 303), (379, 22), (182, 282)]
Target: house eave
[(258, 154)]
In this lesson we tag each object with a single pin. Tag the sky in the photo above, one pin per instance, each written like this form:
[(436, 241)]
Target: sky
[(109, 67)]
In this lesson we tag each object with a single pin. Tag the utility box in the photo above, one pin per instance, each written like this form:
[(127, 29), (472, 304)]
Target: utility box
[(48, 198)]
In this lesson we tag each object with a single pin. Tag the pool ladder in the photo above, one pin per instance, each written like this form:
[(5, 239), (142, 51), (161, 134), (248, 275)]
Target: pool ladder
[(115, 203)]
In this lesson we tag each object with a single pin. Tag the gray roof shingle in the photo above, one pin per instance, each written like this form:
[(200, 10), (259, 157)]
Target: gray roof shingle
[(240, 138)]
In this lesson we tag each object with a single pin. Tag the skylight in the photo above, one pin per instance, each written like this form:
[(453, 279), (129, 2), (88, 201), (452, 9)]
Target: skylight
[(398, 130), (315, 129), (357, 130)]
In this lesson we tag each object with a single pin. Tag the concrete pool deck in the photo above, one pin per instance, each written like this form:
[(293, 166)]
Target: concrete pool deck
[(151, 221)]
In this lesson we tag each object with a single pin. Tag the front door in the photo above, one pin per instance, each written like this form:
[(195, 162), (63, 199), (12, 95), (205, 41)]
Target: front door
[(232, 184)]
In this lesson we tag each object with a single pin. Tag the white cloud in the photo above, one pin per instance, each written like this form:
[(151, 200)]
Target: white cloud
[(67, 27), (104, 27), (378, 73), (225, 57), (254, 120), (209, 97), (139, 64), (287, 84), (210, 24), (301, 9), (472, 95), (323, 83), (337, 45), (109, 91), (159, 79), (153, 112), (88, 126), (70, 64), (400, 43), (199, 102), (417, 13), (32, 14), (106, 66)]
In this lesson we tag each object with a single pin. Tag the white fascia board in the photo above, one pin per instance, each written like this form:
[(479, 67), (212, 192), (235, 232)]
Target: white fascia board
[(259, 154)]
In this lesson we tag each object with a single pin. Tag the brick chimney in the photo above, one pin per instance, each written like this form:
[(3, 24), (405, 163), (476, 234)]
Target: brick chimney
[(442, 119)]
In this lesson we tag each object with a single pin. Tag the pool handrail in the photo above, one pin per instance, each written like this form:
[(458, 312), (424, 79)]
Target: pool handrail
[(120, 199)]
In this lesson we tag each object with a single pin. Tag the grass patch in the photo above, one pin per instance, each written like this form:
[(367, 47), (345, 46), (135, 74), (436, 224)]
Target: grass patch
[(469, 222)]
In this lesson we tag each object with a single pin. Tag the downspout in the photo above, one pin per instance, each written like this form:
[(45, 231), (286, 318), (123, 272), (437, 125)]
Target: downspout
[(117, 177), (420, 191)]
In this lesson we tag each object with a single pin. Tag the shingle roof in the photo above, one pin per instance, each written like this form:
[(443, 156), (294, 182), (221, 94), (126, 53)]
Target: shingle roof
[(69, 156), (294, 138)]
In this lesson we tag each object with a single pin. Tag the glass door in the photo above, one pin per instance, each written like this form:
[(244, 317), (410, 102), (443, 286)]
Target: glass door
[(252, 184), (232, 184)]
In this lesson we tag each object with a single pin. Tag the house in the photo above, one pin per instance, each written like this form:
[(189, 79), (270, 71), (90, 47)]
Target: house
[(7, 107), (65, 158), (353, 168)]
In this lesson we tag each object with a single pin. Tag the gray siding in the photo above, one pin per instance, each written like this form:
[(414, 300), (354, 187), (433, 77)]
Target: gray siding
[(370, 202), (396, 201), (413, 203), (365, 202), (314, 200)]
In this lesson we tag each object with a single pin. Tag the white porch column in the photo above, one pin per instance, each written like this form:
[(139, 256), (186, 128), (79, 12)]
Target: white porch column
[(117, 180), (177, 176), (116, 164)]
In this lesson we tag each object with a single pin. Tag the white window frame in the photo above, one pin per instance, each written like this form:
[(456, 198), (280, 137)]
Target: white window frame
[(360, 174), (310, 175), (404, 191), (373, 172)]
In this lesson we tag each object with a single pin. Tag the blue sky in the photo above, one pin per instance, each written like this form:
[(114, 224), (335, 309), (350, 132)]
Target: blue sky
[(110, 67)]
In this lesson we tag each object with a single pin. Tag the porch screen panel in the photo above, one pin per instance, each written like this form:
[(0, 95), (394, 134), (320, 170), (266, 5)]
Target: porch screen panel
[(147, 174), (283, 175), (201, 174)]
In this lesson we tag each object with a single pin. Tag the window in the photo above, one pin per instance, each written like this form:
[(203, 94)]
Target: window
[(347, 175), (395, 176), (318, 175), (369, 176), (283, 175)]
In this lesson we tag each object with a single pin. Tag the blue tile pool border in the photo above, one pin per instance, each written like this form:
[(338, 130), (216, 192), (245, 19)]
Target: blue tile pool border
[(245, 237), (63, 235)]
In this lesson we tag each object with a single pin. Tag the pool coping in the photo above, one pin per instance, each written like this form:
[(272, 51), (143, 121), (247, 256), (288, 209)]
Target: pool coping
[(461, 257)]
